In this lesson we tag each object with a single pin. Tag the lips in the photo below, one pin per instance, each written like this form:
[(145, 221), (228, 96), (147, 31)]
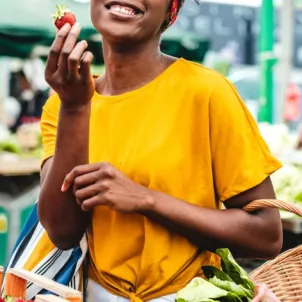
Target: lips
[(124, 8)]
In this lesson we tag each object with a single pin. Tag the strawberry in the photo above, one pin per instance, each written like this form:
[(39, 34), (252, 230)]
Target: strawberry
[(19, 300), (63, 16), (8, 299), (2, 300)]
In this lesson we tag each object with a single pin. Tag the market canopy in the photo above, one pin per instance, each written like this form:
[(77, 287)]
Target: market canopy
[(26, 24)]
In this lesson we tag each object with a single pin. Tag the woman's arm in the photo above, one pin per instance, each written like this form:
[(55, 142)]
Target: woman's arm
[(254, 235), (59, 213)]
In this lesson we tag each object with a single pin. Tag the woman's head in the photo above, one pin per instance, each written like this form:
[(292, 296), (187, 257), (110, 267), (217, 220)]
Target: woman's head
[(133, 20)]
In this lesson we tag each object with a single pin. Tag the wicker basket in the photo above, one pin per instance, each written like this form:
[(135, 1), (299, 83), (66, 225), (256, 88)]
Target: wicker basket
[(283, 275)]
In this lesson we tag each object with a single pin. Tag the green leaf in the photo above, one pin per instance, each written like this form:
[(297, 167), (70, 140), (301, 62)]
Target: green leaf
[(200, 290), (203, 300), (212, 271), (232, 287), (232, 268)]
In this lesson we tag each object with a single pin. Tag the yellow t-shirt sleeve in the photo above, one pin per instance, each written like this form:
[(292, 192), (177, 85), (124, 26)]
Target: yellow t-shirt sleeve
[(49, 121), (240, 157)]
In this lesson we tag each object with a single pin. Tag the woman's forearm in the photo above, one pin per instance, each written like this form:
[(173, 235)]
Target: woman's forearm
[(248, 235), (59, 213)]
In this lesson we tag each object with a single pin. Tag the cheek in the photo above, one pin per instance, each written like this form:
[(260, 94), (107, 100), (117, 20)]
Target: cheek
[(95, 12), (96, 19), (162, 12)]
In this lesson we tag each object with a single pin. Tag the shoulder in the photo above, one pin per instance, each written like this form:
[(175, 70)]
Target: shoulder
[(210, 86), (202, 74), (205, 80), (224, 104)]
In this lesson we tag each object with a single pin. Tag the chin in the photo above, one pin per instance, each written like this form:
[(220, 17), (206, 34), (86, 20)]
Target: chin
[(125, 36), (120, 33)]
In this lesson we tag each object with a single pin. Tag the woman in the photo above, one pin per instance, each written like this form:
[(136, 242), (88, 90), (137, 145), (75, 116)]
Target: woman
[(147, 153)]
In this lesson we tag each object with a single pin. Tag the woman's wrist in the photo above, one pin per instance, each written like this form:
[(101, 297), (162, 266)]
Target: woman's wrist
[(75, 109), (148, 202)]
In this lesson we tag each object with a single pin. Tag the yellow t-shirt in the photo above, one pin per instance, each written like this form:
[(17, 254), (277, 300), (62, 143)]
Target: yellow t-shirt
[(188, 134)]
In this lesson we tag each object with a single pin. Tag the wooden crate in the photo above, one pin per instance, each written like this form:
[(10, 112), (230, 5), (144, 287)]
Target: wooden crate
[(49, 298), (16, 282), (1, 275)]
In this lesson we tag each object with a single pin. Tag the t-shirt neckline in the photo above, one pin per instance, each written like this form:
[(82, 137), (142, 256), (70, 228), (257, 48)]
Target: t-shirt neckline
[(148, 86)]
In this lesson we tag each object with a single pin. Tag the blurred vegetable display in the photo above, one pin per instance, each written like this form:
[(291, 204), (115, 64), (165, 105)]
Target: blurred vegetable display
[(25, 143), (284, 145), (279, 138), (288, 183)]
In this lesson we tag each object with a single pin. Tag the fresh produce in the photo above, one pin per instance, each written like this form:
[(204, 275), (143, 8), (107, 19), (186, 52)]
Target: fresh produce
[(11, 299), (26, 143), (29, 136), (231, 283), (279, 138), (10, 145), (287, 183), (63, 16), (283, 144)]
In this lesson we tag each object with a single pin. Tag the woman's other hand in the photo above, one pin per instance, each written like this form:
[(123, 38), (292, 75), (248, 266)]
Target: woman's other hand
[(68, 68), (102, 184)]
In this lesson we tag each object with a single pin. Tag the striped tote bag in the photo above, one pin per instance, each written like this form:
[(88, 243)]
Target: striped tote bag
[(35, 252)]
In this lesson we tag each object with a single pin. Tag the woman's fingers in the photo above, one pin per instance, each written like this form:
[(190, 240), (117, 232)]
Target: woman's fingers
[(85, 65), (76, 172), (85, 180), (55, 51), (87, 193), (70, 43), (92, 202), (74, 59), (69, 57)]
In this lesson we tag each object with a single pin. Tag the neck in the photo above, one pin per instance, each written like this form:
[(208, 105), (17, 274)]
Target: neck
[(129, 69)]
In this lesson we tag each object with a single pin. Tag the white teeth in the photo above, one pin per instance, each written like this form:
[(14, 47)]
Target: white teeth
[(122, 9)]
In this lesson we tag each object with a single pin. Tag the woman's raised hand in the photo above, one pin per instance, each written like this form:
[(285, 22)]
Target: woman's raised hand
[(68, 68)]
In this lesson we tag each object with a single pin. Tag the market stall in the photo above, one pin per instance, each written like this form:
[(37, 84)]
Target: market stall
[(285, 144), (19, 181)]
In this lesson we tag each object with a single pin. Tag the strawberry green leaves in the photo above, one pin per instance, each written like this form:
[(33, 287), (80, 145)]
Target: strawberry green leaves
[(63, 16)]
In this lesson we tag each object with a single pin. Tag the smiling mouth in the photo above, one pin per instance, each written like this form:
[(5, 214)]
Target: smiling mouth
[(123, 8)]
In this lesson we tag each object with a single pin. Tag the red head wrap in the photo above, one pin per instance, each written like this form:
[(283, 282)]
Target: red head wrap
[(174, 10)]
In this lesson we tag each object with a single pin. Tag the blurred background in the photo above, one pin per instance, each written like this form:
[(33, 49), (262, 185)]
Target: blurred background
[(256, 44)]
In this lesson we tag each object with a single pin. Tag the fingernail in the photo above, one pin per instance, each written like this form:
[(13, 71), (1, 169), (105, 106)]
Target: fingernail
[(63, 188), (77, 25), (66, 26)]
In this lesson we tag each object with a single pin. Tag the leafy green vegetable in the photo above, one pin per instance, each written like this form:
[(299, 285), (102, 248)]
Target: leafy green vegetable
[(204, 300), (231, 286), (287, 183), (232, 268), (200, 290), (10, 146), (212, 271)]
